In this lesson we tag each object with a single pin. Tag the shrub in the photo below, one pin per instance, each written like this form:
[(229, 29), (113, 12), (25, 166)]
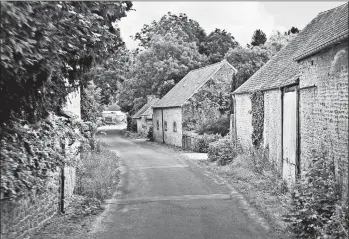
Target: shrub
[(203, 141), (221, 151), (131, 124), (260, 159), (150, 134), (220, 126), (316, 211)]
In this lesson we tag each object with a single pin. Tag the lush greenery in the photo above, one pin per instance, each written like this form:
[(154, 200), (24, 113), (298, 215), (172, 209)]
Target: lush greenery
[(257, 111), (98, 173), (222, 151), (203, 141), (150, 135), (220, 126), (317, 211), (91, 105), (258, 38), (47, 47)]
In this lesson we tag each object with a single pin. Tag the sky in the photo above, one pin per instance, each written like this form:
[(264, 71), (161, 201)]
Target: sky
[(241, 19)]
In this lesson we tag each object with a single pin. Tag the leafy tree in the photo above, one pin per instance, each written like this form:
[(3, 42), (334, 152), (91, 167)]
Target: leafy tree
[(91, 107), (217, 43), (180, 25), (258, 38), (157, 69), (277, 41), (47, 47), (247, 61), (293, 30)]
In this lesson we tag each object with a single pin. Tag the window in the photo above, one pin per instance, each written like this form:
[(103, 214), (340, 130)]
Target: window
[(174, 126), (157, 124), (165, 125)]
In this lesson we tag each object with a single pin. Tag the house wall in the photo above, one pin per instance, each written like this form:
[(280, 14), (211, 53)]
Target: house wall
[(139, 125), (324, 108), (204, 105), (170, 115), (243, 120), (272, 125)]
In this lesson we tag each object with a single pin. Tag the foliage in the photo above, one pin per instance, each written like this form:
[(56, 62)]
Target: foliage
[(131, 124), (220, 126), (277, 41), (29, 152), (203, 141), (181, 26), (258, 38), (217, 44), (222, 151), (97, 174), (293, 30), (257, 101), (91, 107), (165, 62), (46, 49), (316, 210), (150, 135), (247, 61)]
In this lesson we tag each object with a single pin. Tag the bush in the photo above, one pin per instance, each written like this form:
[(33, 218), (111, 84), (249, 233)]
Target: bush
[(131, 124), (203, 141), (98, 174), (220, 126), (221, 151), (150, 134), (260, 159), (316, 210)]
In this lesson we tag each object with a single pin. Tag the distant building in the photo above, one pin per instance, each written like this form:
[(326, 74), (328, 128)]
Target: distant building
[(305, 91), (112, 114), (192, 102), (144, 116)]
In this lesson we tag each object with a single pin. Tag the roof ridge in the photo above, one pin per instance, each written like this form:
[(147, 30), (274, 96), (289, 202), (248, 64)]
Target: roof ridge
[(207, 66), (340, 6)]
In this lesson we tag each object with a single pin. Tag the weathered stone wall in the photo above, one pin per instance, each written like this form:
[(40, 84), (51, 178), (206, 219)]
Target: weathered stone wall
[(243, 120), (204, 105), (23, 216), (272, 126), (139, 125), (170, 115), (324, 108)]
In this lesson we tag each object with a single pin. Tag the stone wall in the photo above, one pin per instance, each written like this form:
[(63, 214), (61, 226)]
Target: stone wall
[(243, 120), (273, 125), (204, 105), (170, 115), (324, 108), (23, 216)]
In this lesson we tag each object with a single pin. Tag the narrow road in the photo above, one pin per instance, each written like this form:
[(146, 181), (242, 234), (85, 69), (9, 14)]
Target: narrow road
[(164, 196)]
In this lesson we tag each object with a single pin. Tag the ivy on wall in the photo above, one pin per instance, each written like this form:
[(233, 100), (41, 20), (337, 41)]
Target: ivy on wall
[(257, 112)]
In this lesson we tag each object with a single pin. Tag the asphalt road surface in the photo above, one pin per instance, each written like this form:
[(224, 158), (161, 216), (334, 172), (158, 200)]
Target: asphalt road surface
[(164, 196)]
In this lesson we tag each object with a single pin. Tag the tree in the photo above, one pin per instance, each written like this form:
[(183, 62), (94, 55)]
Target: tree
[(293, 30), (180, 25), (47, 48), (277, 41), (157, 69), (247, 61), (91, 107), (217, 43), (258, 38)]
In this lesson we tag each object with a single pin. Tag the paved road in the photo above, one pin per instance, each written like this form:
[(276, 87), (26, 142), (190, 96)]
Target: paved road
[(164, 196)]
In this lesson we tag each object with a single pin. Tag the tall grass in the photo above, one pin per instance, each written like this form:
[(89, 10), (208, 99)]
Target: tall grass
[(98, 173)]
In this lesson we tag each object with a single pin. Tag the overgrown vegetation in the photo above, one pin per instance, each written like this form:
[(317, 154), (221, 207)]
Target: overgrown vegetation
[(257, 111), (220, 126), (150, 135), (203, 141), (222, 151), (98, 173), (317, 210)]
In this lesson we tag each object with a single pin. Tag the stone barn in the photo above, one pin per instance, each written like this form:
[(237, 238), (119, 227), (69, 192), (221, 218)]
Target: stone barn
[(305, 98), (196, 99), (144, 116)]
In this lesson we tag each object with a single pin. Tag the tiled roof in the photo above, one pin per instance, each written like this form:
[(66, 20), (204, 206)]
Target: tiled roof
[(149, 111), (144, 109), (282, 70), (193, 81), (113, 108)]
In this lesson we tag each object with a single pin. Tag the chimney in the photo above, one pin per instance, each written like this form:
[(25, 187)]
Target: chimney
[(150, 97)]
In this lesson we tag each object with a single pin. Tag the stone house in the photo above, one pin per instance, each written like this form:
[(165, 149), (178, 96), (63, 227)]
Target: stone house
[(144, 116), (305, 98), (198, 98)]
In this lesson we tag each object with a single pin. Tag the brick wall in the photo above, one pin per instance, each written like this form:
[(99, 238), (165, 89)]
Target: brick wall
[(23, 216), (170, 115), (324, 108), (272, 125), (243, 120)]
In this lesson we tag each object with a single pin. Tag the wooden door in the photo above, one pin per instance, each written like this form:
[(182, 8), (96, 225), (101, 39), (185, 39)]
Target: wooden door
[(289, 136)]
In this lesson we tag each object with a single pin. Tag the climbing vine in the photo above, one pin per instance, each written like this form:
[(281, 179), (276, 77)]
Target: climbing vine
[(257, 112)]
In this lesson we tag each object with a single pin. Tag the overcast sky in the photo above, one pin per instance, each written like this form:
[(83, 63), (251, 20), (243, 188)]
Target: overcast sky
[(241, 19)]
